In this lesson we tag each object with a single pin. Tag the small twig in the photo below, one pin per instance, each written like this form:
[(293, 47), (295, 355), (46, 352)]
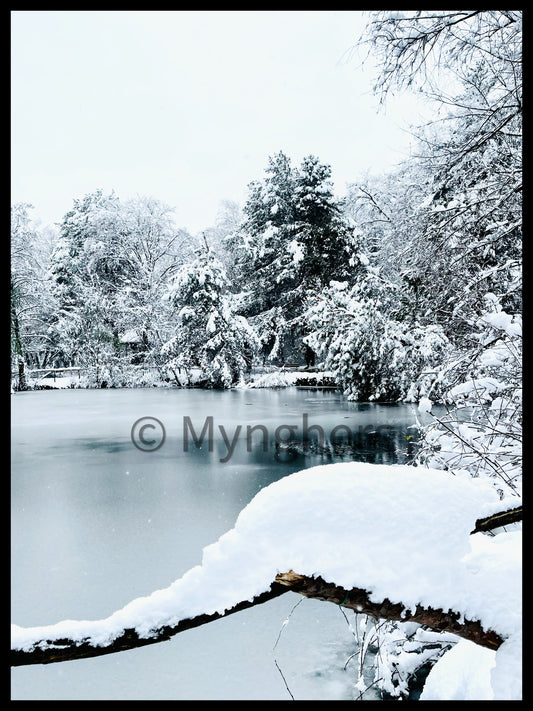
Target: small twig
[(284, 680), (374, 682), (286, 622)]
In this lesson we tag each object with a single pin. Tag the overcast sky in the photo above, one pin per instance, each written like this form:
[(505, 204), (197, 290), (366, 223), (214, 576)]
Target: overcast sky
[(186, 106)]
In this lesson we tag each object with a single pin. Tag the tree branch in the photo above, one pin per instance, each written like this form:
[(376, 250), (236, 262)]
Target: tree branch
[(47, 651), (358, 599), (502, 518)]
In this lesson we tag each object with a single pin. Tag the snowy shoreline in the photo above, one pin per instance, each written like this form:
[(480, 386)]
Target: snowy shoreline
[(279, 379), (272, 379)]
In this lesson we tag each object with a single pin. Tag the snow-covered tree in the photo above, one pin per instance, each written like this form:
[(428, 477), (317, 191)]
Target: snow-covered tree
[(463, 237), (208, 335), (31, 299), (265, 266), (85, 273), (448, 235), (293, 241), (154, 249), (425, 49), (481, 431), (221, 235), (110, 269), (373, 354), (322, 234)]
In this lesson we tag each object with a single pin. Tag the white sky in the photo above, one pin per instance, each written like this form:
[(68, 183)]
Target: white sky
[(186, 106)]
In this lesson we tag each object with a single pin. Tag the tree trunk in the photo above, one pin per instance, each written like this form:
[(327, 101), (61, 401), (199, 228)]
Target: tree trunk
[(47, 651), (23, 384), (19, 351)]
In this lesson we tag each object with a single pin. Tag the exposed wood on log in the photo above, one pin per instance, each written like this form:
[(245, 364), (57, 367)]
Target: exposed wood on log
[(502, 518), (358, 599)]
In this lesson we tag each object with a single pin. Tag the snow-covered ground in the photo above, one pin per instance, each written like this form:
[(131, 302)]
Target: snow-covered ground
[(400, 532)]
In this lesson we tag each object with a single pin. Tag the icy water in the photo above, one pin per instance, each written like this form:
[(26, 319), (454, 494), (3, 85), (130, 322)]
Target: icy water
[(98, 519)]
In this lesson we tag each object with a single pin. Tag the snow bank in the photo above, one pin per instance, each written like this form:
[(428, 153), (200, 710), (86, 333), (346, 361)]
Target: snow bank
[(400, 532)]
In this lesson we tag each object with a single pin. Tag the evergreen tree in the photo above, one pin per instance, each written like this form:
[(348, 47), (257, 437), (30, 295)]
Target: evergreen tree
[(324, 238), (293, 241), (208, 335), (263, 258)]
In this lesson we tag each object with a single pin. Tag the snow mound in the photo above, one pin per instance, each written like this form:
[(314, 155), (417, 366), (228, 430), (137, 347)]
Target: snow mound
[(462, 674), (506, 676)]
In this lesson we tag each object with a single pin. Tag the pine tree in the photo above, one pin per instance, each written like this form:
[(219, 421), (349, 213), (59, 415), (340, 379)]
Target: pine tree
[(208, 334), (293, 241), (323, 235)]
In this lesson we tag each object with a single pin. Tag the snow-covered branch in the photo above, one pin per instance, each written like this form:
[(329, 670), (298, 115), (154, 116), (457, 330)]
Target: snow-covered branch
[(393, 542)]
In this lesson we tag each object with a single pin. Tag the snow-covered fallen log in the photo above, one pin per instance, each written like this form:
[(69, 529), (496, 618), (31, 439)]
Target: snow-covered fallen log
[(359, 600), (391, 541), (50, 648)]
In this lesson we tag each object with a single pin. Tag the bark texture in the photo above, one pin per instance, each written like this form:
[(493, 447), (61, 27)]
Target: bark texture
[(47, 651), (358, 599)]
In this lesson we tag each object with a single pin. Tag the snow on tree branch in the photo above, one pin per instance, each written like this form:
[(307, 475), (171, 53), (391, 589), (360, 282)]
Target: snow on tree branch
[(389, 541)]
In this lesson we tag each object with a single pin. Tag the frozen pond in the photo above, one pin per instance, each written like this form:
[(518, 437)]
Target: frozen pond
[(97, 521)]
